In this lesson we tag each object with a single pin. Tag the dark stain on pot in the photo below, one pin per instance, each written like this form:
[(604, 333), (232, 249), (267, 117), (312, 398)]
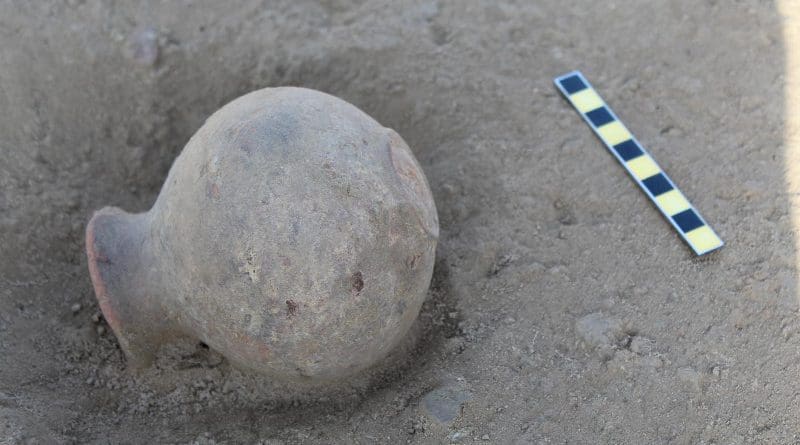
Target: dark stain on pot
[(411, 262), (287, 129), (101, 257), (357, 283), (242, 135), (291, 308), (275, 131)]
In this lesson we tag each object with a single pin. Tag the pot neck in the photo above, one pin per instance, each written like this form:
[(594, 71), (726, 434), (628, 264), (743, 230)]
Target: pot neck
[(129, 287)]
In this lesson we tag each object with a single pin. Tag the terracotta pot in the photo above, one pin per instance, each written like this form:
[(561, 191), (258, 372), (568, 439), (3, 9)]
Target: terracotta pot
[(294, 234)]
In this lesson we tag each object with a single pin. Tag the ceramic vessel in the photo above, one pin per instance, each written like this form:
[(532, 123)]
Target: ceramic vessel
[(294, 234)]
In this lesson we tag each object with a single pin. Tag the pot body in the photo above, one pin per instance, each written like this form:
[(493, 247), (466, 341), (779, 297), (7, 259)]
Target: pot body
[(294, 234)]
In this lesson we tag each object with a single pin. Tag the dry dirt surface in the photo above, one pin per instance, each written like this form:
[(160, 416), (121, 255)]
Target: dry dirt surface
[(564, 309)]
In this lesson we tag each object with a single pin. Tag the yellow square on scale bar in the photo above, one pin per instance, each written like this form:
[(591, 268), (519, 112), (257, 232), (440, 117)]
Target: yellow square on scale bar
[(586, 100), (703, 239), (613, 133), (643, 167), (672, 202)]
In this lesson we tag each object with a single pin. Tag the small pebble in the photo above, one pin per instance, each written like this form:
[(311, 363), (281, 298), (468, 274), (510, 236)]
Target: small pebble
[(75, 308), (143, 46), (458, 436), (598, 330), (485, 437), (96, 317), (101, 330), (444, 403)]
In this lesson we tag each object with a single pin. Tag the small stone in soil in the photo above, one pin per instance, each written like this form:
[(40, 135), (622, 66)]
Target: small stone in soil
[(444, 403), (144, 47), (458, 436), (601, 332)]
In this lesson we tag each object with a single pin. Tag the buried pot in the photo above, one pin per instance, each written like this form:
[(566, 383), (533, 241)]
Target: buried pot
[(294, 234)]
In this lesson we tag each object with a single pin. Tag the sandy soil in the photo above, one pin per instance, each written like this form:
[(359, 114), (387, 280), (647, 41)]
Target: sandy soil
[(564, 309)]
